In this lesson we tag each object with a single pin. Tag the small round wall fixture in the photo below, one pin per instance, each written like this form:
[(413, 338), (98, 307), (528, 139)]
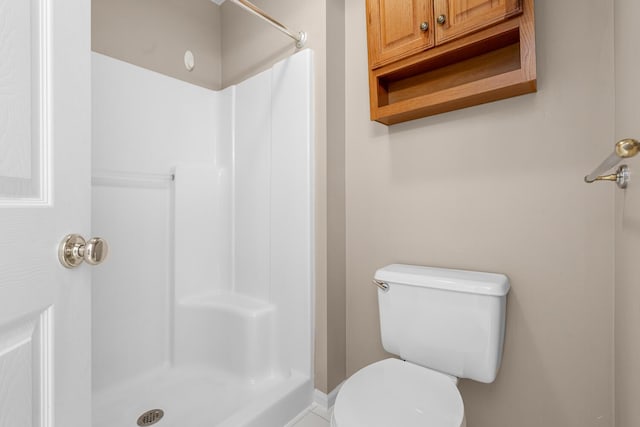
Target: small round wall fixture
[(189, 60)]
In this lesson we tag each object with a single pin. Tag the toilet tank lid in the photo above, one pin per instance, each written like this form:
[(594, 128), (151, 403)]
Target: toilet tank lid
[(473, 282)]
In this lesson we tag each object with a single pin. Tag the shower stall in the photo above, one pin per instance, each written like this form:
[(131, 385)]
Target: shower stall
[(202, 316)]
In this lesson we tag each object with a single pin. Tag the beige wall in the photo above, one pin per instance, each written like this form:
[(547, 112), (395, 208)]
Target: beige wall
[(155, 34), (627, 301), (499, 188), (336, 225)]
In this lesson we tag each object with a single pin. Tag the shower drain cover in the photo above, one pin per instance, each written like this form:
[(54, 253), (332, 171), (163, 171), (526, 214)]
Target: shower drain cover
[(150, 417)]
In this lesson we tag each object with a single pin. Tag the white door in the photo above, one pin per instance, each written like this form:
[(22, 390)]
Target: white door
[(627, 238), (44, 195)]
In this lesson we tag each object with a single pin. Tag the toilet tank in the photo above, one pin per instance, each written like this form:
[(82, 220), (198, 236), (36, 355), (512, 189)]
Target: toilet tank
[(451, 321)]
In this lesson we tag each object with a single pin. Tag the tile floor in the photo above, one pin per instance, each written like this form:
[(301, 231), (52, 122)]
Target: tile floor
[(315, 416)]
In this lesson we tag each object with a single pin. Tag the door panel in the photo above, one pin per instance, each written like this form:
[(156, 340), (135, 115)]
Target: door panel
[(394, 28), (25, 370), (23, 91), (466, 16), (44, 195), (627, 212)]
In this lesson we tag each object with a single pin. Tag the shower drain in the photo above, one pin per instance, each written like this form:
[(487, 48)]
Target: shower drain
[(150, 417)]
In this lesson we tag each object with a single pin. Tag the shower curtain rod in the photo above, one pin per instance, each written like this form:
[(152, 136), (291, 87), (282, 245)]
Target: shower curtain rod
[(300, 38)]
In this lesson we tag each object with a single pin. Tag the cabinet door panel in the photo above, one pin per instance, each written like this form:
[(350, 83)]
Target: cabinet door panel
[(466, 16), (394, 29)]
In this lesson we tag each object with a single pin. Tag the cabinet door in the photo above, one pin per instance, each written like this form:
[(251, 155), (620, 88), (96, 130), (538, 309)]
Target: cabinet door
[(456, 18), (396, 28)]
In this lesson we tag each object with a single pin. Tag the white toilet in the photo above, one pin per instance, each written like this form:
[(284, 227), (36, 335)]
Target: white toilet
[(444, 324)]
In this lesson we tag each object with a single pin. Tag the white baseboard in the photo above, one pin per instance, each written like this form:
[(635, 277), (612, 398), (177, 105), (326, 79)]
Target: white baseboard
[(322, 406), (326, 401)]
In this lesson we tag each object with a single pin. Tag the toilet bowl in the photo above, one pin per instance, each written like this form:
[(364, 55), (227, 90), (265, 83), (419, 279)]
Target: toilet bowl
[(395, 393)]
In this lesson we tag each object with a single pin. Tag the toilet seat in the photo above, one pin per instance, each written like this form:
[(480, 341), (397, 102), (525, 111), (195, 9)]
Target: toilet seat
[(394, 393)]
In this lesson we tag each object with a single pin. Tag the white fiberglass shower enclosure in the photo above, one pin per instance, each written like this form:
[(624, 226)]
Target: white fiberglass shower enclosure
[(203, 309)]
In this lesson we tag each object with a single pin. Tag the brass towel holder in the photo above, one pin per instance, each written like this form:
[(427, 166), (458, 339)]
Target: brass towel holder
[(624, 149)]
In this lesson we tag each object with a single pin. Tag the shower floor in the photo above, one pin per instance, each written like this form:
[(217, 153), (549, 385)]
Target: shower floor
[(192, 397)]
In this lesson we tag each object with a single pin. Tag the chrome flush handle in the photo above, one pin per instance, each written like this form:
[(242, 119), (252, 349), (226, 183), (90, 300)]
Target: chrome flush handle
[(382, 285)]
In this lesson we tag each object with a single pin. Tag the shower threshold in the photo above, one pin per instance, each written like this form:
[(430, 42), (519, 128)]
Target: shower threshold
[(198, 397)]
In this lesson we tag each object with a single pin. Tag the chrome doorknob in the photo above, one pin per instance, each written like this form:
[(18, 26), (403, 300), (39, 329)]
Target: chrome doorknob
[(442, 19), (424, 26), (74, 249)]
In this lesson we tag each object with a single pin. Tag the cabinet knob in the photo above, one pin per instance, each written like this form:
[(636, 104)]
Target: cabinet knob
[(424, 26), (442, 19)]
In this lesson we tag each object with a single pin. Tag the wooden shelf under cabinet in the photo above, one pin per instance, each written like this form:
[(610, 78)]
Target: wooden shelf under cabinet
[(485, 65)]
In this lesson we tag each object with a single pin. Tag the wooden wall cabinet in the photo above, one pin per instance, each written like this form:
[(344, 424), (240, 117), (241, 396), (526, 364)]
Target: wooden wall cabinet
[(431, 56), (402, 28)]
